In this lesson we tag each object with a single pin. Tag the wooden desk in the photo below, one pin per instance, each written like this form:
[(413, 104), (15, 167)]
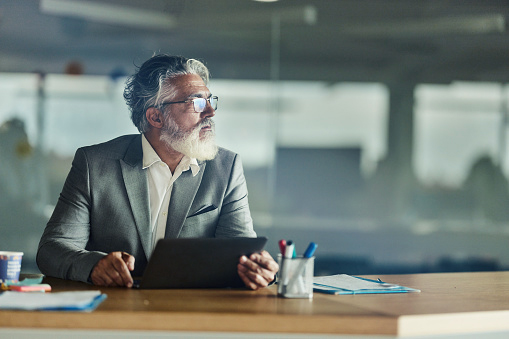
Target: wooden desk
[(449, 303)]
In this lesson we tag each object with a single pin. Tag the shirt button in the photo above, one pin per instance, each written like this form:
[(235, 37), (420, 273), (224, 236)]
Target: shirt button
[(165, 213)]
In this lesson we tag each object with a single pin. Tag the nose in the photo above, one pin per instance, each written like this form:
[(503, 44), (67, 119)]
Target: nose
[(208, 112)]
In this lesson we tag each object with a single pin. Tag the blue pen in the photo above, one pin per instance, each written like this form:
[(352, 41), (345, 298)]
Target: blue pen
[(310, 250)]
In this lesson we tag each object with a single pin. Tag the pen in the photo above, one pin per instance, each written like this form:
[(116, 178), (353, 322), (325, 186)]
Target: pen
[(310, 250), (31, 288), (282, 245), (297, 276), (289, 249)]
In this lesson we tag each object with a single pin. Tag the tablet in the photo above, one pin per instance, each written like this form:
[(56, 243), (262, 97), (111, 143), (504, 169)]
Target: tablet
[(198, 262)]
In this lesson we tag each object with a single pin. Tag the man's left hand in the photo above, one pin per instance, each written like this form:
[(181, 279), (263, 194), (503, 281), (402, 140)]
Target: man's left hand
[(258, 270)]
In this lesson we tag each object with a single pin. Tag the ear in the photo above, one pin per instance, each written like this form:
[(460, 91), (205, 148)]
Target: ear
[(154, 117)]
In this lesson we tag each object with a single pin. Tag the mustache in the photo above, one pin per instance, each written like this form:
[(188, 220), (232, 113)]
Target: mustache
[(206, 123)]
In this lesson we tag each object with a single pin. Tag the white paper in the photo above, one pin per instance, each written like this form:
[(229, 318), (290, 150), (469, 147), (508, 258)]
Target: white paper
[(347, 282), (39, 301)]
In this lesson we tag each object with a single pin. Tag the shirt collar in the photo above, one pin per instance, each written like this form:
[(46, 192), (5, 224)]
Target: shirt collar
[(150, 157), (187, 163)]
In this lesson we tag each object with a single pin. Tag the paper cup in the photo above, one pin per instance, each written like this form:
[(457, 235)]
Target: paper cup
[(10, 266)]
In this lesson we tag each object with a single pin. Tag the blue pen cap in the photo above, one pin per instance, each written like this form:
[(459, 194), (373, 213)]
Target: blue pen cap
[(310, 250)]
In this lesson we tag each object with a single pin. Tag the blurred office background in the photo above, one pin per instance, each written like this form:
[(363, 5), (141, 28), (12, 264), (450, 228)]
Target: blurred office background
[(376, 128)]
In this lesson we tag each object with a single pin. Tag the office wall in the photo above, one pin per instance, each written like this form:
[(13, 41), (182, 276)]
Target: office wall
[(386, 147), (316, 165)]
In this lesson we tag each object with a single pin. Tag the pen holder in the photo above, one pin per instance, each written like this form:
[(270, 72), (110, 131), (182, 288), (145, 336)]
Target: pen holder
[(296, 277)]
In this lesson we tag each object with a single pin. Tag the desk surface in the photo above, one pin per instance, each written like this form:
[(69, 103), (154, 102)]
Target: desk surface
[(448, 303)]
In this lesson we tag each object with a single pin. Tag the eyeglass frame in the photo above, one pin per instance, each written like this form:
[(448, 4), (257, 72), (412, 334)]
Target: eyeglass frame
[(194, 106)]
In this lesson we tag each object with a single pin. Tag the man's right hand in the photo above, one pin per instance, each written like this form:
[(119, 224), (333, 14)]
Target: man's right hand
[(113, 270)]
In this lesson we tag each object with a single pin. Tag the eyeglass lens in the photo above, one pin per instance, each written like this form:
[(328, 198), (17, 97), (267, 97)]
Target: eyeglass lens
[(201, 103)]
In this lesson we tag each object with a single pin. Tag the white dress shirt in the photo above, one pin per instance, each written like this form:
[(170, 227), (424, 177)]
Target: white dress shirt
[(160, 184)]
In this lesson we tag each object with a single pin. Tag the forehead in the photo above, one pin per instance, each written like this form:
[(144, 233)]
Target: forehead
[(188, 85)]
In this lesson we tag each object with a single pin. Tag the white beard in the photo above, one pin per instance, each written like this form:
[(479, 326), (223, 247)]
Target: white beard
[(189, 142)]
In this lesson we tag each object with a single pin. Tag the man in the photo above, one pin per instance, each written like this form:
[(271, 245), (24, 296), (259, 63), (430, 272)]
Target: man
[(171, 181)]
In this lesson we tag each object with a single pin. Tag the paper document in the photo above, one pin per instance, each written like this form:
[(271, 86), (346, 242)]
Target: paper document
[(347, 284), (60, 301)]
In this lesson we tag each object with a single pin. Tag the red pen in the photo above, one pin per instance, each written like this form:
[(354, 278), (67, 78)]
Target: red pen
[(282, 246)]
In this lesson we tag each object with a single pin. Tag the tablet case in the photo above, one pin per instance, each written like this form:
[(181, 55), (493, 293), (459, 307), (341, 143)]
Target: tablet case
[(198, 262)]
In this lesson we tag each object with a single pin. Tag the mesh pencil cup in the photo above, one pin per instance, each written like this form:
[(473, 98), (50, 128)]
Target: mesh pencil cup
[(295, 277)]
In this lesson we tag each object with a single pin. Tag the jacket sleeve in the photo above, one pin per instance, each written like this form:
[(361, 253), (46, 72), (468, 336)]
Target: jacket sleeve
[(61, 251), (235, 218)]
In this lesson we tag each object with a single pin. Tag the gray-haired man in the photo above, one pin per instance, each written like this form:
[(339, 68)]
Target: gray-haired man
[(171, 180)]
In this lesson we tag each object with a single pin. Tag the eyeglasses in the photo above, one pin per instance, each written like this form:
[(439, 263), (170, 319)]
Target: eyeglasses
[(198, 103)]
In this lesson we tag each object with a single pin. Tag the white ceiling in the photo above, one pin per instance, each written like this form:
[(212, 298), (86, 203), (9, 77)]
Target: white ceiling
[(351, 40)]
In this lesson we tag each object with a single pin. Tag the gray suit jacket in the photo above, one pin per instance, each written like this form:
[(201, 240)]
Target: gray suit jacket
[(104, 207)]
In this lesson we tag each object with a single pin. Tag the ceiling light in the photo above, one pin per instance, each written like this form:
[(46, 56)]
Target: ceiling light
[(109, 14)]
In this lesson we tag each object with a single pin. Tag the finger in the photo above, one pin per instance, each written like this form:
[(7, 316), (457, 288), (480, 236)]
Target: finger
[(97, 279), (245, 279), (113, 277), (268, 272), (98, 274), (274, 266), (270, 264), (129, 260), (265, 259), (120, 273), (103, 278), (106, 270), (247, 276), (258, 276), (266, 255), (256, 279), (256, 269), (249, 263)]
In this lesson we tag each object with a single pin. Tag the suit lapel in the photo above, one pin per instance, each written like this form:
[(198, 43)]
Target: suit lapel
[(182, 196), (135, 180)]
